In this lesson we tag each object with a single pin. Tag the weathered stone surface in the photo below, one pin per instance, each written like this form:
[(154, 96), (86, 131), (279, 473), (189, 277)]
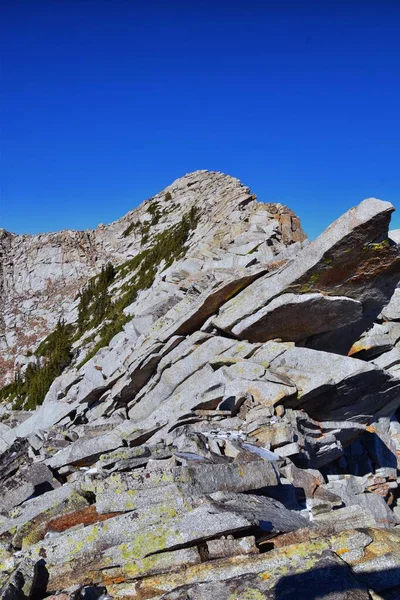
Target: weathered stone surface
[(7, 437), (28, 481), (343, 260), (128, 491), (31, 520), (85, 452), (333, 386), (295, 317), (379, 339), (179, 461), (140, 537), (306, 571), (45, 417), (391, 312)]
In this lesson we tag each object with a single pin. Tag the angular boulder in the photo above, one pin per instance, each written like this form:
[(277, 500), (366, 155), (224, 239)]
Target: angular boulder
[(352, 258)]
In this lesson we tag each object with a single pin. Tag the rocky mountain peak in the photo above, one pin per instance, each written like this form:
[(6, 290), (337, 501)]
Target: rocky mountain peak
[(41, 275), (206, 404)]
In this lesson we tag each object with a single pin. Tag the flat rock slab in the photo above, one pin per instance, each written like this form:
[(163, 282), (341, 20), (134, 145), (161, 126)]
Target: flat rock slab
[(35, 479), (391, 312), (85, 451), (7, 437), (333, 387), (160, 529), (295, 317), (271, 515), (340, 261), (310, 571), (45, 417), (329, 579), (130, 491), (31, 520)]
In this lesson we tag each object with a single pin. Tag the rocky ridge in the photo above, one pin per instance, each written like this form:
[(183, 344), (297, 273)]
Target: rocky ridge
[(228, 427), (40, 275)]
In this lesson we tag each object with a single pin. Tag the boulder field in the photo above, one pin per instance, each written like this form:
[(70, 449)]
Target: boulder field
[(201, 404)]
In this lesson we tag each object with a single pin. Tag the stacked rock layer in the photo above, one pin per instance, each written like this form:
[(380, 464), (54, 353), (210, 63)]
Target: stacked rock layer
[(228, 429)]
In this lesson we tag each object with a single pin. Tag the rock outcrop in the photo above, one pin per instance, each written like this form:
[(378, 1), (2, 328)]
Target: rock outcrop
[(217, 414), (40, 275)]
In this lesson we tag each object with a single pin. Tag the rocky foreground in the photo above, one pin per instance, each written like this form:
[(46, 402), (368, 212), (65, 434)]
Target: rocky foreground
[(217, 411)]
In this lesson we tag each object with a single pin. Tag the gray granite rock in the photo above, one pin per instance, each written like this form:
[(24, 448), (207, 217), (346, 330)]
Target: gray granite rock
[(313, 269), (134, 490), (391, 312), (333, 386), (28, 481), (85, 452), (222, 444)]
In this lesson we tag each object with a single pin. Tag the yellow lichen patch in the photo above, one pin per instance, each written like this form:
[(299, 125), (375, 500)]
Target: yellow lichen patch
[(342, 551), (93, 535), (378, 246), (249, 594), (377, 548), (305, 549), (33, 537)]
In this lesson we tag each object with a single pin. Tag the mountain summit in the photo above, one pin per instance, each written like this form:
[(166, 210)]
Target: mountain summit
[(41, 275)]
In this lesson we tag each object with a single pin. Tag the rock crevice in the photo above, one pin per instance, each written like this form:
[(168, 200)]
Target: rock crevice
[(220, 404)]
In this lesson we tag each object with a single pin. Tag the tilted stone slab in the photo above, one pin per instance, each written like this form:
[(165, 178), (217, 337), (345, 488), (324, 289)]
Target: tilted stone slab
[(46, 416), (176, 374), (333, 387), (328, 578), (341, 261), (131, 491), (319, 561), (159, 528), (26, 482), (295, 317), (391, 312), (35, 512), (85, 451), (379, 339)]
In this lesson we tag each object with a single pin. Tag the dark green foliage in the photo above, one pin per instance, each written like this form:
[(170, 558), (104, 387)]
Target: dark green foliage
[(131, 228), (154, 210), (169, 246), (95, 307), (53, 355), (144, 228), (168, 196), (94, 300), (156, 214)]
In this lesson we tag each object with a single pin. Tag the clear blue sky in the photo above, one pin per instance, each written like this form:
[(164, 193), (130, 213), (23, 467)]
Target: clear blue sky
[(105, 102)]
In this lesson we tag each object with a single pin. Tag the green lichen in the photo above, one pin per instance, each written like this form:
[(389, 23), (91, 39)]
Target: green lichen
[(93, 535), (78, 546), (249, 594), (376, 247)]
